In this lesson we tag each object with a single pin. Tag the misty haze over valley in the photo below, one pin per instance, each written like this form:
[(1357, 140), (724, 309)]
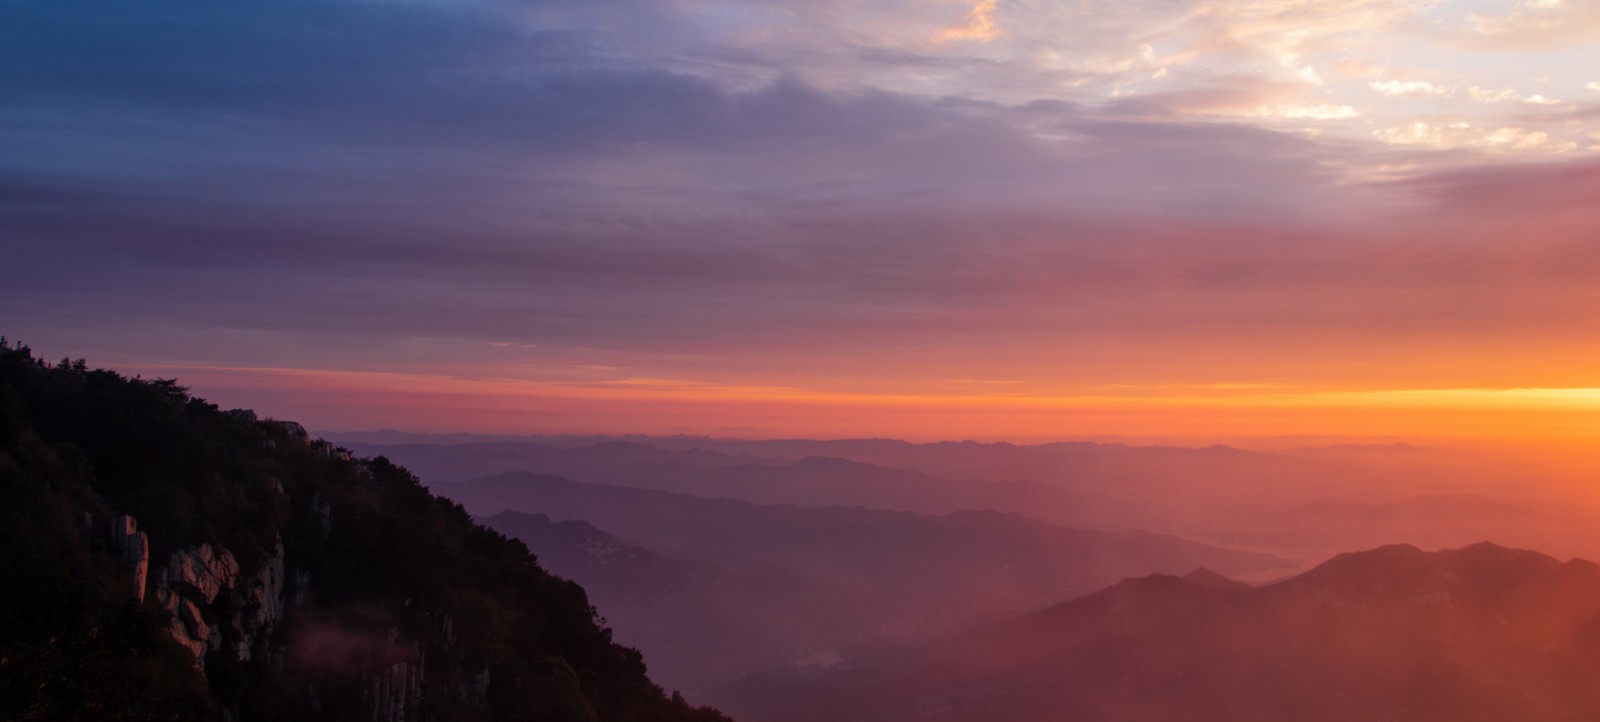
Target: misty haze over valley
[(878, 579)]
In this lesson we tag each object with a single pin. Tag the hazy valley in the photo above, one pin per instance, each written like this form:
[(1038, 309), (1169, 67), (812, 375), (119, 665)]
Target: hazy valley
[(809, 580)]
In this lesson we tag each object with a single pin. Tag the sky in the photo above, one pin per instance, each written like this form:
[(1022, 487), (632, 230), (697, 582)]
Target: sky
[(993, 219)]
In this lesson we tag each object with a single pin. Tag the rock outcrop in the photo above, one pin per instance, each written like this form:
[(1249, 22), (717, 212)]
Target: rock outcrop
[(258, 607), (395, 693), (133, 547), (189, 580), (213, 605)]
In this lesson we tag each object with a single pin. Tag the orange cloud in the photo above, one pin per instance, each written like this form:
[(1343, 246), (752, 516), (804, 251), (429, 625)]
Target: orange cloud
[(980, 24)]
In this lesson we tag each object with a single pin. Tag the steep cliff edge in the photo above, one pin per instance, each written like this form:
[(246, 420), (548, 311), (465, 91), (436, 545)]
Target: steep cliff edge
[(163, 559)]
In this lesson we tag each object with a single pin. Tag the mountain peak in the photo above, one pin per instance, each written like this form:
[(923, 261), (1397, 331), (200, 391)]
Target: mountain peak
[(818, 462), (1403, 568), (1207, 578)]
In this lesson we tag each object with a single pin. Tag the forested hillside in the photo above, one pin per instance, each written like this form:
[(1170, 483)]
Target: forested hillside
[(164, 559)]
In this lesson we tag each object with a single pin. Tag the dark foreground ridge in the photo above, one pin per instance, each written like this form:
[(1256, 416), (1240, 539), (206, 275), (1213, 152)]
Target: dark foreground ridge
[(166, 560)]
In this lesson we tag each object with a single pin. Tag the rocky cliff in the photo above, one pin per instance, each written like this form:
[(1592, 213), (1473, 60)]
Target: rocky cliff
[(164, 559)]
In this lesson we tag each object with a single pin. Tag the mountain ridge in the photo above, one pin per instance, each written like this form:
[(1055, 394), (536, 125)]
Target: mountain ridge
[(167, 559), (1479, 633)]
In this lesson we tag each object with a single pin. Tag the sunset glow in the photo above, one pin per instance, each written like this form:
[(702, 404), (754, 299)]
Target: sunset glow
[(989, 411), (989, 219)]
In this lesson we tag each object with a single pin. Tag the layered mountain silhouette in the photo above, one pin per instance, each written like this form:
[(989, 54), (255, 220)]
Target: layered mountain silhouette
[(1088, 485), (1004, 559), (1483, 633), (804, 585), (807, 481)]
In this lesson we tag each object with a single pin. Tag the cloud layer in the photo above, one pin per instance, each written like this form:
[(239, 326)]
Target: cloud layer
[(828, 196)]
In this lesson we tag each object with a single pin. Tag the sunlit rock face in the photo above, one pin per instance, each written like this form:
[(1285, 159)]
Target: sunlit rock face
[(134, 549), (201, 570), (213, 605), (201, 587)]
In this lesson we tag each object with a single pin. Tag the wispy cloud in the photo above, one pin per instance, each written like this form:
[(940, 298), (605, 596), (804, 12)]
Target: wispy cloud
[(1537, 24), (1311, 112), (980, 24), (1402, 88), (1465, 135), (1408, 87)]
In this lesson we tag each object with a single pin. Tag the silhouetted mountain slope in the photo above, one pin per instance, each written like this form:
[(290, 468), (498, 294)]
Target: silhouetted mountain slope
[(1482, 633), (163, 559), (698, 623), (563, 547), (1207, 578)]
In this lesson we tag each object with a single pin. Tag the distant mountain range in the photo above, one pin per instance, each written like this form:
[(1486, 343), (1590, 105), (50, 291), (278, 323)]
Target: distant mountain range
[(1479, 634), (1434, 521), (862, 576), (1089, 485), (1036, 559), (808, 481)]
